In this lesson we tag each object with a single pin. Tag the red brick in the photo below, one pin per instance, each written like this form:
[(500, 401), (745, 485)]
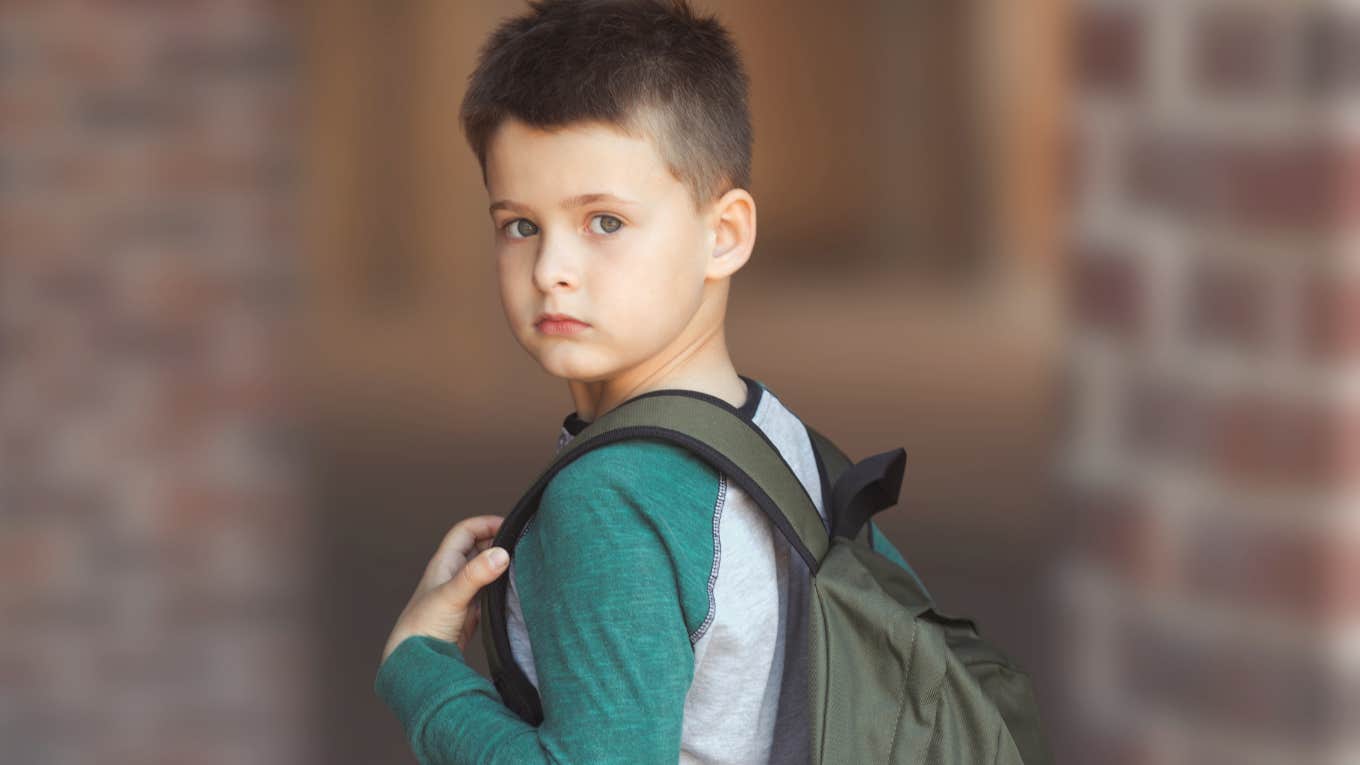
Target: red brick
[(1303, 183), (1228, 306), (1239, 51), (1294, 569), (1331, 51), (1109, 50), (1343, 447), (1166, 420), (1107, 292), (35, 558), (1341, 582), (1261, 439), (1254, 440), (1331, 317), (1121, 532)]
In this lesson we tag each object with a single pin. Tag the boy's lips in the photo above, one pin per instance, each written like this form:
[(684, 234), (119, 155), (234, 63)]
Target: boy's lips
[(559, 324)]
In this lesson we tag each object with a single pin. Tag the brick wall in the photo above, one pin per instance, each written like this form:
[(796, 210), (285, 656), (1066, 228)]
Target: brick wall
[(152, 542), (1210, 604)]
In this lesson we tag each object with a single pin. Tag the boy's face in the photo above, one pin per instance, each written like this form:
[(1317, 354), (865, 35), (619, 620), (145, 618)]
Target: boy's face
[(632, 269)]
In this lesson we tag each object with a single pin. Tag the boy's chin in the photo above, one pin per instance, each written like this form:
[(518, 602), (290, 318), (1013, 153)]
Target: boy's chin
[(574, 370)]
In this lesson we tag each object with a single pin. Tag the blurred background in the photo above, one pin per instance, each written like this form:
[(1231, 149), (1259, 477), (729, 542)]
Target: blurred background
[(1091, 262)]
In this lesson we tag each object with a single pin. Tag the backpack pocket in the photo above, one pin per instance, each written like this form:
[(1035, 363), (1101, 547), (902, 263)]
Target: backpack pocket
[(893, 680), (873, 690)]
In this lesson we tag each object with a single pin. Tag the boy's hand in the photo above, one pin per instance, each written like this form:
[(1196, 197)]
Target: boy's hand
[(444, 604)]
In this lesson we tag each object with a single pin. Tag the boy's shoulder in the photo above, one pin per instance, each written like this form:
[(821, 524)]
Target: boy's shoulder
[(650, 497)]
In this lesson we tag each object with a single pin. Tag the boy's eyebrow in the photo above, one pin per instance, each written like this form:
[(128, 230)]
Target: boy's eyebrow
[(570, 202)]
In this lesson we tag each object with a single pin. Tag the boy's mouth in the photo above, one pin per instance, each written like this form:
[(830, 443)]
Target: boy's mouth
[(559, 324)]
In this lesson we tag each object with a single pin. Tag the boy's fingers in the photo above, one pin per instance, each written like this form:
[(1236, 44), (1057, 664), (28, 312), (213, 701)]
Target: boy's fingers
[(469, 531), (458, 543), (461, 590)]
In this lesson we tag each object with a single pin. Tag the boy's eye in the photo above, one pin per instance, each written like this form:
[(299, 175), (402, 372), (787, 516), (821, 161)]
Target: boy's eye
[(610, 224), (522, 228), (515, 230)]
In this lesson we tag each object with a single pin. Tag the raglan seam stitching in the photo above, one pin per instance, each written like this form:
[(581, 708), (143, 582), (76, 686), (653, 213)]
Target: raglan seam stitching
[(718, 505)]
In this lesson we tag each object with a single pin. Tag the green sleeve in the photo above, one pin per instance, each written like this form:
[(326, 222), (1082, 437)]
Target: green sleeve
[(436, 695), (882, 545), (610, 577)]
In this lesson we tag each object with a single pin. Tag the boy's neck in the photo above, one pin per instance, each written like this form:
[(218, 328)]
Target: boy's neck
[(702, 366)]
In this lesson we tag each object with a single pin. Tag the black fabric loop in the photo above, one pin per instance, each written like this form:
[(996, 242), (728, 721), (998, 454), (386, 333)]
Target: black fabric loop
[(865, 488)]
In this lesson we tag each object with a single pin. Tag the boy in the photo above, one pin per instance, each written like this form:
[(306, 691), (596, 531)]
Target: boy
[(649, 602)]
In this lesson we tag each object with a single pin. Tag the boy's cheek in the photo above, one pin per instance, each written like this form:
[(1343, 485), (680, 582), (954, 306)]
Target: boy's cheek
[(516, 299)]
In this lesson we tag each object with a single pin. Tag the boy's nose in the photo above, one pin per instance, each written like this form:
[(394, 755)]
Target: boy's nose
[(555, 267)]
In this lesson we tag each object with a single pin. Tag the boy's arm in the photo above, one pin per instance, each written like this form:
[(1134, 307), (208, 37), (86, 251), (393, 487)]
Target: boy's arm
[(598, 577)]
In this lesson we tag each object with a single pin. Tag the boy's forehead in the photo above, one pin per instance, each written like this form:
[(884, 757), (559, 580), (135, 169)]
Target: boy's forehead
[(530, 165)]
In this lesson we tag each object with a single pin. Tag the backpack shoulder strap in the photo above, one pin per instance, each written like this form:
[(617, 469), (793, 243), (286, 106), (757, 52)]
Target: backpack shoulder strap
[(832, 457)]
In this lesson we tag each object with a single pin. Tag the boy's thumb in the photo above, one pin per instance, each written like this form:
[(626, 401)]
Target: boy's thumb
[(497, 557), (486, 567), (483, 569)]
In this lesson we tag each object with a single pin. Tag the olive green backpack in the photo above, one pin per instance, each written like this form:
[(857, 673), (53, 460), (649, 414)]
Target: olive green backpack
[(891, 679)]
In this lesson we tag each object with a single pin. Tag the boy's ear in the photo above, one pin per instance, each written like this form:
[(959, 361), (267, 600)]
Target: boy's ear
[(734, 228)]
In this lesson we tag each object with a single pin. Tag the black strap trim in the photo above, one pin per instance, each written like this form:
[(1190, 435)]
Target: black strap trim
[(826, 482)]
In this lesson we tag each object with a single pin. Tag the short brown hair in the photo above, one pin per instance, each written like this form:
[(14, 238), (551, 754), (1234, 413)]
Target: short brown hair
[(647, 67)]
